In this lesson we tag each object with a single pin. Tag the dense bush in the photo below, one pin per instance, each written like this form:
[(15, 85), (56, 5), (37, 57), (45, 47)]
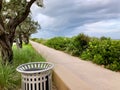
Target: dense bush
[(102, 51), (78, 44), (34, 39), (71, 48), (43, 41), (59, 43)]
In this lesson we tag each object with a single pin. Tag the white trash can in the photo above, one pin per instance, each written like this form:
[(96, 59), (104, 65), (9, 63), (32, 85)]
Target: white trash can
[(36, 75)]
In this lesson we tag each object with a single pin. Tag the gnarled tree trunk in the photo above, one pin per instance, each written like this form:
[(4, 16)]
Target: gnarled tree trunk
[(6, 48), (25, 38), (19, 40)]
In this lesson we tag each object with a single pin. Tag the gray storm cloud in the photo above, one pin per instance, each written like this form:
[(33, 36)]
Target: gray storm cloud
[(65, 16)]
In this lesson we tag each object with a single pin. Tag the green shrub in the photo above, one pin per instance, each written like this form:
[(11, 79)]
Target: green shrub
[(103, 51), (98, 59), (86, 55), (59, 43), (9, 78), (104, 38), (34, 39), (39, 40), (78, 44), (71, 48), (115, 66)]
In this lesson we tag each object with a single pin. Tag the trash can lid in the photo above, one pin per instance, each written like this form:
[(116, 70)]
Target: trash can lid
[(35, 67)]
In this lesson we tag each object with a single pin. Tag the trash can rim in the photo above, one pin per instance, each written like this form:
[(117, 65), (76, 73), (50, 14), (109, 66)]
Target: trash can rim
[(38, 71)]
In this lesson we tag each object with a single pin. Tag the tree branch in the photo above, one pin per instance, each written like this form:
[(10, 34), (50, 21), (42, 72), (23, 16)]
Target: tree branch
[(0, 5), (1, 24), (1, 20), (20, 18)]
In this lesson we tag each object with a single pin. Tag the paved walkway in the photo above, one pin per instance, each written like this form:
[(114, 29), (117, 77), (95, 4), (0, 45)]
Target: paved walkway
[(77, 74)]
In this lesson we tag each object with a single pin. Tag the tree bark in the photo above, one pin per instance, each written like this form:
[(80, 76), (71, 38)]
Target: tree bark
[(25, 38), (6, 49), (19, 40), (1, 4)]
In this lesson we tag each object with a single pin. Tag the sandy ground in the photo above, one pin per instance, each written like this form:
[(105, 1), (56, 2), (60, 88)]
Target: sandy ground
[(98, 78)]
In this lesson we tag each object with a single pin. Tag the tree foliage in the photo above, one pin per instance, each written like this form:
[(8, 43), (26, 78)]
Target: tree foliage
[(12, 14), (24, 30)]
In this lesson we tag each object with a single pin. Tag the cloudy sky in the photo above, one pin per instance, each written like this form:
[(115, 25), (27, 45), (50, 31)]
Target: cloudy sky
[(71, 17)]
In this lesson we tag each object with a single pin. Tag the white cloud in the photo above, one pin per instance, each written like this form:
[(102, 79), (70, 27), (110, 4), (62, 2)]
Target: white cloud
[(44, 21), (103, 27), (109, 28)]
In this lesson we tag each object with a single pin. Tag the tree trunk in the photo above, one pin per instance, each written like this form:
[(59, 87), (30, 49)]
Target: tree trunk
[(18, 40), (6, 49), (25, 38)]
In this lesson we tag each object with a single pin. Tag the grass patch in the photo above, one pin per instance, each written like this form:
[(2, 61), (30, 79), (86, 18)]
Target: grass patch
[(10, 79), (25, 55)]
